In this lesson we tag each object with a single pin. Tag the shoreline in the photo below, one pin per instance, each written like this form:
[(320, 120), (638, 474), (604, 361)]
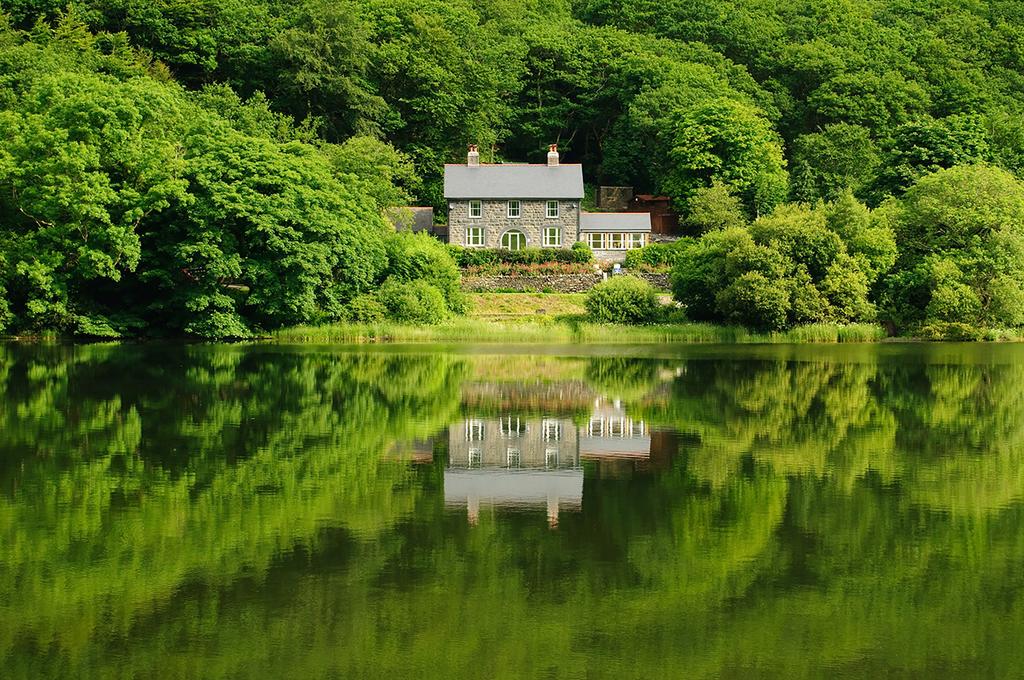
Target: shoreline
[(573, 331), (567, 330)]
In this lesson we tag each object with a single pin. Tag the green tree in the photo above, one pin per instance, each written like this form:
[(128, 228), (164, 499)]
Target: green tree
[(797, 265), (87, 160), (384, 173), (715, 207), (730, 142), (841, 157), (961, 250)]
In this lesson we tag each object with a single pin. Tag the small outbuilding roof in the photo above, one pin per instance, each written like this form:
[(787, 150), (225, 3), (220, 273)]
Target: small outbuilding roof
[(513, 180), (615, 221), (411, 218)]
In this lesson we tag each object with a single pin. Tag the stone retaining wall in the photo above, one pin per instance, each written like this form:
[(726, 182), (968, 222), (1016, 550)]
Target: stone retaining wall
[(657, 279), (559, 283)]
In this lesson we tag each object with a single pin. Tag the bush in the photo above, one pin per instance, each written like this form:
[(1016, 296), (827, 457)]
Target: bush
[(755, 301), (366, 308), (651, 257), (542, 269), (787, 268), (623, 299), (584, 253), (415, 257), (415, 302), (481, 257)]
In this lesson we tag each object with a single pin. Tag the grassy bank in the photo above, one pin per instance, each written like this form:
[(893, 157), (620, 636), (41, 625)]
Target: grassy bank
[(571, 330), (559, 318), (502, 306)]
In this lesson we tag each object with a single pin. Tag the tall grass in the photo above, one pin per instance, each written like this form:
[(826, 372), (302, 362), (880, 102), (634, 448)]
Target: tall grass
[(571, 330)]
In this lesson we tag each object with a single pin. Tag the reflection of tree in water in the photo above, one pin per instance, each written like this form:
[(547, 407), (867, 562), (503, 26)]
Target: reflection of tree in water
[(205, 468), (820, 515)]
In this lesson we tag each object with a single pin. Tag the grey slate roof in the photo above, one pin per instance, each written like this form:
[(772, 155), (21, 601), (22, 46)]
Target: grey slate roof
[(412, 218), (615, 221), (513, 180)]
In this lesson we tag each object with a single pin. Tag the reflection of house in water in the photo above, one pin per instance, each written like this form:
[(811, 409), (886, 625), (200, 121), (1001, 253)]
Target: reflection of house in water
[(513, 462), (611, 433), (529, 462)]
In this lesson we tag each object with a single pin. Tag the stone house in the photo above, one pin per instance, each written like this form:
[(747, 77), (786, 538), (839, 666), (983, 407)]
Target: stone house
[(524, 205)]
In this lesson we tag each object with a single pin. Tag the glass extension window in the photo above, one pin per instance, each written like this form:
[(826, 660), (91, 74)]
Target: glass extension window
[(476, 209), (513, 209), (595, 241), (552, 209), (552, 237), (474, 236), (636, 240), (615, 241)]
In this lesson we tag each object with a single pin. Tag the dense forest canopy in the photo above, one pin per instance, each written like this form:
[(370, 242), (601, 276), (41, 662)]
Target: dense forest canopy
[(219, 167)]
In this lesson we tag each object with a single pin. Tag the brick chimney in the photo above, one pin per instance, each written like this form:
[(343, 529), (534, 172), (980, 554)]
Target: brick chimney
[(473, 157), (552, 155)]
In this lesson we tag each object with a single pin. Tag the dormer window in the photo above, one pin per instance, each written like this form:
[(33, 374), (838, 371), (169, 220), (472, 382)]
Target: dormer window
[(552, 209), (513, 209), (476, 209)]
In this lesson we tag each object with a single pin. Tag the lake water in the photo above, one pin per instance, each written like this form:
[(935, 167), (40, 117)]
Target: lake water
[(201, 511)]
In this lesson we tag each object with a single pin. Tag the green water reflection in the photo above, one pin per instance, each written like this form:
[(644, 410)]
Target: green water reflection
[(252, 511)]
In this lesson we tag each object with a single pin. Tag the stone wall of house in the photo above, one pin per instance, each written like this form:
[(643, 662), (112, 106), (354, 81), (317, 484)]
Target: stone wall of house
[(495, 221), (610, 257), (558, 283)]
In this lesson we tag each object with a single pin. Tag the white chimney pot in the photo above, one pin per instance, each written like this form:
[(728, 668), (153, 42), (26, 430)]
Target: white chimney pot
[(552, 155)]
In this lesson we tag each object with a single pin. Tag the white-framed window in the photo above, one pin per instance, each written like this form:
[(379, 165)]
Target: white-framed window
[(615, 241), (552, 209), (551, 457), (513, 209), (474, 457), (552, 430), (513, 457), (513, 239), (615, 427), (510, 427), (474, 236), (474, 430), (636, 240), (476, 209), (595, 241), (552, 237), (596, 427), (637, 428)]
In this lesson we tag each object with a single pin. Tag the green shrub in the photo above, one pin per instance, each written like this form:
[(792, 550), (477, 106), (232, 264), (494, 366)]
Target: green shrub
[(584, 253), (541, 269), (956, 331), (481, 257), (787, 268), (413, 302), (623, 299), (414, 257), (366, 308), (755, 301), (656, 256)]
